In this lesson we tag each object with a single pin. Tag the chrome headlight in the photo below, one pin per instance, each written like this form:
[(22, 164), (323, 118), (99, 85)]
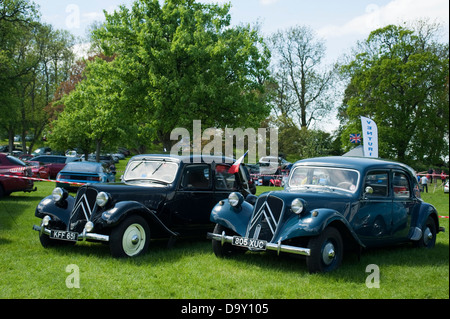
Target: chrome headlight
[(89, 226), (235, 199), (102, 199), (58, 194), (46, 220), (297, 206)]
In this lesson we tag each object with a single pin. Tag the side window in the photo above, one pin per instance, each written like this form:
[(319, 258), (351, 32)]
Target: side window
[(378, 181), (401, 185), (224, 180), (196, 176), (47, 159)]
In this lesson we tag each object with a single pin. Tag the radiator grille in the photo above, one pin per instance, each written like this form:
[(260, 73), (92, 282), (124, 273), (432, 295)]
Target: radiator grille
[(84, 207), (266, 217)]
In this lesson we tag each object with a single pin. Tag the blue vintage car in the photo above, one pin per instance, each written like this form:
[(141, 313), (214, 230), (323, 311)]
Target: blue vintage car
[(329, 205)]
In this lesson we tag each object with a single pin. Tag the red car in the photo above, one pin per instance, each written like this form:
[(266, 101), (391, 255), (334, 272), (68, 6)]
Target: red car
[(38, 169), (9, 165), (54, 162)]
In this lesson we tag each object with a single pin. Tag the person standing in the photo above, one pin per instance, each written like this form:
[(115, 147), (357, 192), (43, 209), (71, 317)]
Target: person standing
[(424, 181)]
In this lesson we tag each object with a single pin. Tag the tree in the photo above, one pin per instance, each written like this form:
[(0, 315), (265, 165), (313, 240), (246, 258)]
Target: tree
[(17, 58), (93, 117), (303, 82), (34, 58), (399, 78), (183, 62)]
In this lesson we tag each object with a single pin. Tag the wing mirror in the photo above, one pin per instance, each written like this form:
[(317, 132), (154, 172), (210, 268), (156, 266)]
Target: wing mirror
[(368, 190)]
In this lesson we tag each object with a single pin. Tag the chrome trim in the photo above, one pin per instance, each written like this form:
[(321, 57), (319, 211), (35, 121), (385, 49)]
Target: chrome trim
[(270, 246), (416, 234), (81, 237), (262, 211)]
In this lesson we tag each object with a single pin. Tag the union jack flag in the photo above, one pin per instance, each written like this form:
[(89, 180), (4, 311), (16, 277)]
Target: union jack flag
[(355, 138)]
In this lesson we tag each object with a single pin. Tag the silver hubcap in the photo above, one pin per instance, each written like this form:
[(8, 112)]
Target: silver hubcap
[(328, 253), (133, 240), (427, 236)]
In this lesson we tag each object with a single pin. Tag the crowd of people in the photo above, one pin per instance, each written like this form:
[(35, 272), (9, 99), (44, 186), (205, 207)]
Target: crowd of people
[(427, 178)]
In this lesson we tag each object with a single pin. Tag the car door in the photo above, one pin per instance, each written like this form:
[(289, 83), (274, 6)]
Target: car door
[(194, 197), (403, 204), (373, 222), (224, 182)]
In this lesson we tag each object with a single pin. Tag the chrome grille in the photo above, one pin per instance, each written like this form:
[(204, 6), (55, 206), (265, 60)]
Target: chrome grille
[(266, 217), (84, 207)]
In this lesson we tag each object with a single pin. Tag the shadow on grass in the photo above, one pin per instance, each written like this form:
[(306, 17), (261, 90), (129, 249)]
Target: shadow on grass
[(351, 270)]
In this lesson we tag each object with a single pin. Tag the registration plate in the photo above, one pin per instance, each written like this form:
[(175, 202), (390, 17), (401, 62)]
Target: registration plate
[(249, 243), (64, 235)]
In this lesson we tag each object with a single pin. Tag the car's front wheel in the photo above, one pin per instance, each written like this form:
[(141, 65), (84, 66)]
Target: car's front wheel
[(130, 238), (227, 249), (327, 251), (428, 239)]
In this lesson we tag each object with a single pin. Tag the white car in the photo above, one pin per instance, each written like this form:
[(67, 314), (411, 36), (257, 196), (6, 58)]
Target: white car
[(446, 187)]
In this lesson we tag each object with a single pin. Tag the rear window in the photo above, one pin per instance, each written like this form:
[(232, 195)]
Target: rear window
[(15, 161), (85, 167)]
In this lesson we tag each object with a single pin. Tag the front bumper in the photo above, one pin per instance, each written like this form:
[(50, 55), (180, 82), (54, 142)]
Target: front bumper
[(278, 247), (81, 237)]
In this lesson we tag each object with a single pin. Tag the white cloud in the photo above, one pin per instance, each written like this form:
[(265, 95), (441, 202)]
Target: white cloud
[(395, 12)]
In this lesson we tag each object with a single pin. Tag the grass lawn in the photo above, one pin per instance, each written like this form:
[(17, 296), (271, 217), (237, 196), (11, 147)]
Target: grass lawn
[(190, 270)]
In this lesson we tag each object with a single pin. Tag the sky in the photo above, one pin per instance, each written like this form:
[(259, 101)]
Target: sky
[(340, 23)]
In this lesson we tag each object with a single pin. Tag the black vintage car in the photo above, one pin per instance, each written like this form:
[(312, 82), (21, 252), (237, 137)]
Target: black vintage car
[(160, 196), (329, 205)]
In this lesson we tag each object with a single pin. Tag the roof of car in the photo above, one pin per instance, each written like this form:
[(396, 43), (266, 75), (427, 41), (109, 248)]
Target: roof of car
[(359, 163), (186, 158)]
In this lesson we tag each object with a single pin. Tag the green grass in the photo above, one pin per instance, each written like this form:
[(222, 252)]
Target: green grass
[(190, 269)]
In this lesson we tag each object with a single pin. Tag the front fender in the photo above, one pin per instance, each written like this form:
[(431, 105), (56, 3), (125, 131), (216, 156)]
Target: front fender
[(232, 218), (121, 210), (313, 223), (424, 211), (58, 211)]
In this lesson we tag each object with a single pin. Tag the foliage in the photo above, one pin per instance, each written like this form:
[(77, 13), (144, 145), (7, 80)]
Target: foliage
[(185, 62), (34, 58), (93, 116), (399, 79), (302, 82)]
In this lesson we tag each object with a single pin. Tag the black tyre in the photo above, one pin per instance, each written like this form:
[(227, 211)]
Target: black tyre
[(428, 239), (130, 238), (47, 242), (227, 249), (327, 251)]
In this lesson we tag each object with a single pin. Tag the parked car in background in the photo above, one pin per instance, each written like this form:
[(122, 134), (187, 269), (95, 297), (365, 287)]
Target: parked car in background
[(9, 165), (42, 151), (38, 169), (329, 205), (271, 165), (55, 162), (83, 172), (446, 187), (161, 196)]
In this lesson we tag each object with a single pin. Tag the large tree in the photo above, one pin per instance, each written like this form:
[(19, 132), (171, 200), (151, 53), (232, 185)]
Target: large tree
[(34, 58), (303, 82), (185, 62), (399, 78)]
